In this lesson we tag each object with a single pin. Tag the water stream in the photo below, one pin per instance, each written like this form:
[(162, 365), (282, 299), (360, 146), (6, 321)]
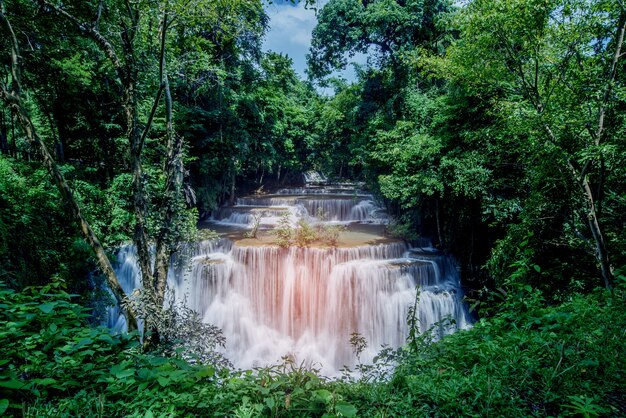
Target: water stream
[(305, 302)]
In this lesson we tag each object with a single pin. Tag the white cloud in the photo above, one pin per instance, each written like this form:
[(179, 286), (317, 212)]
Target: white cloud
[(290, 32), (292, 25)]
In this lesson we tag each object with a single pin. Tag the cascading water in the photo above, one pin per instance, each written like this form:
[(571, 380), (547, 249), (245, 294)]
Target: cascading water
[(305, 303)]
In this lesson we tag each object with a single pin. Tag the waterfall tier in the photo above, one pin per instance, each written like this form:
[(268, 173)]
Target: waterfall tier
[(305, 303)]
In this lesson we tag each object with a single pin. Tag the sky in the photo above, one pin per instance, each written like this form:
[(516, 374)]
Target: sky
[(290, 33)]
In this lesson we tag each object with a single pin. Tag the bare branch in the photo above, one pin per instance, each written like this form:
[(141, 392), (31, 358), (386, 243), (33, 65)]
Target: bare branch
[(98, 14)]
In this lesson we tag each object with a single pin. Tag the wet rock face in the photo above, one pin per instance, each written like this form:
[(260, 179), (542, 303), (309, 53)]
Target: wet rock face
[(305, 302)]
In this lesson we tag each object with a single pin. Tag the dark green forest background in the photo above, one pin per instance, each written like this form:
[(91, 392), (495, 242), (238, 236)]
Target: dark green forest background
[(494, 128)]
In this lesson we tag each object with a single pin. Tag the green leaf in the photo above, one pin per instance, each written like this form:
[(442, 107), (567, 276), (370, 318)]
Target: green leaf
[(119, 371), (157, 361), (47, 307), (125, 373), (163, 381), (45, 381), (345, 409), (144, 373), (83, 342), (270, 402), (207, 371), (4, 405), (537, 268), (324, 395), (12, 384), (106, 338)]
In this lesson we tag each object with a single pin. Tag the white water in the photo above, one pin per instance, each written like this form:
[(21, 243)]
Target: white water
[(305, 303), (313, 177)]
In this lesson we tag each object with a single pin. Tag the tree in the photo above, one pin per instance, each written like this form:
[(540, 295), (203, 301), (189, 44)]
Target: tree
[(138, 56), (385, 28), (12, 95), (129, 45), (552, 68)]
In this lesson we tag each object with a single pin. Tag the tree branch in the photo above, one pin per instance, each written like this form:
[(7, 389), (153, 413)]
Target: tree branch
[(609, 87), (93, 32)]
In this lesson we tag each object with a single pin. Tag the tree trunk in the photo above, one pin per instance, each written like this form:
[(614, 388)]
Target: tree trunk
[(58, 144), (128, 78), (13, 141), (233, 175), (4, 142), (439, 230), (582, 179), (594, 225), (174, 171), (600, 248)]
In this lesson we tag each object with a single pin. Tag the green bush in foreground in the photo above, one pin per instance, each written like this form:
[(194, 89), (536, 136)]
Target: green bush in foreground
[(529, 360), (54, 365)]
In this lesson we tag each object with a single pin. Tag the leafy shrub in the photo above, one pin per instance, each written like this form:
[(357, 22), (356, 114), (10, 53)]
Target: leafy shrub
[(304, 233), (181, 330), (329, 234), (36, 235), (54, 365), (255, 227), (529, 360), (283, 231)]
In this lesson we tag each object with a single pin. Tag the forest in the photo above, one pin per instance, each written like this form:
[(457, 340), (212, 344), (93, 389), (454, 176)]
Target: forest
[(491, 132)]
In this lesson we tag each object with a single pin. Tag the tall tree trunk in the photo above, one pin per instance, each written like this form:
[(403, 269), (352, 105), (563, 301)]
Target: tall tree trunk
[(600, 252), (439, 229), (13, 140), (592, 219), (174, 171), (593, 202), (233, 177), (58, 143), (4, 141), (153, 279), (127, 76)]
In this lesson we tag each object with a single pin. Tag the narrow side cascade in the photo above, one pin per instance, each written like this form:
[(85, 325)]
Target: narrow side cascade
[(305, 303)]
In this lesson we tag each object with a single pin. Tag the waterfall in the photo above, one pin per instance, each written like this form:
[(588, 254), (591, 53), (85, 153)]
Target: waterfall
[(272, 302)]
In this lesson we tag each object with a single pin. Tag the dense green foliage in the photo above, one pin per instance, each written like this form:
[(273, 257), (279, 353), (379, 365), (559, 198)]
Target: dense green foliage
[(488, 125), (526, 360), (493, 127)]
